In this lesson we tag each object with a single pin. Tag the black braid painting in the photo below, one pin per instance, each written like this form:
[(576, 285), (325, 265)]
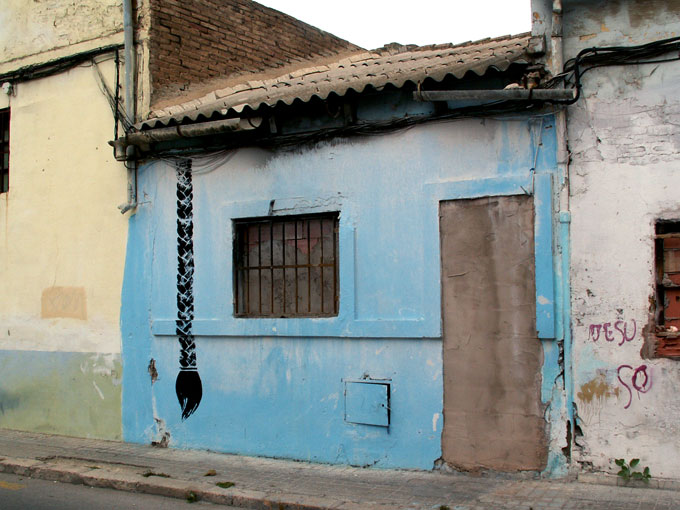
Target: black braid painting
[(188, 385)]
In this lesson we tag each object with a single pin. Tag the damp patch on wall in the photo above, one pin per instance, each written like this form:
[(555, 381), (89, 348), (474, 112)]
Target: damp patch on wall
[(69, 393), (63, 302)]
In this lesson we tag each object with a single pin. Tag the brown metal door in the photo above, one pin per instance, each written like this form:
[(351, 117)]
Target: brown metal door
[(493, 417)]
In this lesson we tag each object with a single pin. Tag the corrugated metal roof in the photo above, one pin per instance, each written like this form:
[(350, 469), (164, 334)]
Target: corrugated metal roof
[(391, 65)]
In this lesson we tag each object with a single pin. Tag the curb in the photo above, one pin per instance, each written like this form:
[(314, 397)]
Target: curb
[(613, 480), (168, 487)]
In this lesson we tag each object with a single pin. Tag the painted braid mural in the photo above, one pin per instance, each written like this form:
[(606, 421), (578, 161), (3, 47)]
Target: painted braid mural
[(188, 385)]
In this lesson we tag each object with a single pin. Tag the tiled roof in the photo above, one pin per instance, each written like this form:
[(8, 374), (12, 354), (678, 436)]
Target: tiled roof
[(393, 64)]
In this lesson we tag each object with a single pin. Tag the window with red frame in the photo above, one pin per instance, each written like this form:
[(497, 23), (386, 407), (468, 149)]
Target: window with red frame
[(4, 150), (667, 254)]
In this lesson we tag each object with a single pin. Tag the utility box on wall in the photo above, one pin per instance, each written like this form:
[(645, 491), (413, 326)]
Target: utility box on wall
[(367, 402)]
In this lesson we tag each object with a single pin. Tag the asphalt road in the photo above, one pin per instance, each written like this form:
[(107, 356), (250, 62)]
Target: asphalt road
[(20, 493)]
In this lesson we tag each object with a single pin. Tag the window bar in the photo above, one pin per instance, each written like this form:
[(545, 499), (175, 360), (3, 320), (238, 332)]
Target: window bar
[(283, 262), (259, 267), (296, 269), (247, 268), (309, 270), (237, 271), (271, 264), (336, 293), (322, 266)]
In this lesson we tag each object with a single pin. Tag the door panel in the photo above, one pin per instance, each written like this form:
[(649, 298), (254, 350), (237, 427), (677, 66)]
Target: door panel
[(493, 416)]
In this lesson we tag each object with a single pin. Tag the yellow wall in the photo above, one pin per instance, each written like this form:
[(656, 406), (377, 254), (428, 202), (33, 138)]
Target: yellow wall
[(62, 239), (34, 31)]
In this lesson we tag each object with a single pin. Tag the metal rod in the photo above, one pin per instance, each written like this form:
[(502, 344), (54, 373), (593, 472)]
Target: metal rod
[(283, 261), (238, 255), (291, 266), (271, 263), (297, 298), (259, 270), (494, 95), (321, 240), (247, 250), (309, 269)]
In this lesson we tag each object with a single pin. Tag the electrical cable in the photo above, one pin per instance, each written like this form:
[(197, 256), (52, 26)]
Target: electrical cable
[(608, 56)]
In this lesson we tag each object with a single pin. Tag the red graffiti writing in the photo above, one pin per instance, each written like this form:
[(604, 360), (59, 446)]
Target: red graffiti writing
[(618, 331), (640, 380)]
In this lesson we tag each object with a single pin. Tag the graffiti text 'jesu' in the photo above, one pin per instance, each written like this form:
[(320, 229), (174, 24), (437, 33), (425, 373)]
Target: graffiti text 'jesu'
[(616, 332)]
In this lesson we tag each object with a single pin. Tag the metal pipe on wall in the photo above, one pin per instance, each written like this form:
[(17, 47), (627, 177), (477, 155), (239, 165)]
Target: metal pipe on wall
[(494, 95), (556, 67), (130, 96)]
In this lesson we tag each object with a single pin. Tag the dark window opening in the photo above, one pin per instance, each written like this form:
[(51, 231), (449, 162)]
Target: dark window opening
[(4, 150), (286, 266), (667, 262)]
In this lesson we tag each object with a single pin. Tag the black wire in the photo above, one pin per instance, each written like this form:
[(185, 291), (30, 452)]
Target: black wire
[(35, 71), (116, 111), (607, 56), (294, 141)]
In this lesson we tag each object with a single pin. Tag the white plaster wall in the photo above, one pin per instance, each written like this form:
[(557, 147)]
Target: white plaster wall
[(59, 225), (37, 30), (624, 136)]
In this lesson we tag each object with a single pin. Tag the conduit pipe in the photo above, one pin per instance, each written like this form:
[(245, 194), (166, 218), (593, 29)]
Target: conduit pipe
[(494, 95), (130, 97), (142, 139), (556, 66)]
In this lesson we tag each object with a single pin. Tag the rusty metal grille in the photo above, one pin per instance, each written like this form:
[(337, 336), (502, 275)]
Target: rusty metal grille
[(4, 150), (286, 267)]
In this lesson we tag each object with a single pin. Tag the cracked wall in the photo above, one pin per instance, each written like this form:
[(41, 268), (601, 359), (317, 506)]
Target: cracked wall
[(36, 30), (275, 387), (624, 136), (62, 247)]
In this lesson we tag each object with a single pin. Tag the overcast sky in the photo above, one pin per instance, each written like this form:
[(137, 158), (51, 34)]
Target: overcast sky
[(374, 23)]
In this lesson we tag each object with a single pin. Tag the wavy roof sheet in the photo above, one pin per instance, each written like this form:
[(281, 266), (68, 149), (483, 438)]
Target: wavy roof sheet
[(393, 65)]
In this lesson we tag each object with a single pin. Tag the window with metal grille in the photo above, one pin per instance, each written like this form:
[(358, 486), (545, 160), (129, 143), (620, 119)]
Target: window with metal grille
[(667, 253), (4, 150), (286, 266)]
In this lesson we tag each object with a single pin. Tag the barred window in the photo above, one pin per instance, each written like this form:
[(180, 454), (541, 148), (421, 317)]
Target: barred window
[(667, 253), (286, 266), (4, 150)]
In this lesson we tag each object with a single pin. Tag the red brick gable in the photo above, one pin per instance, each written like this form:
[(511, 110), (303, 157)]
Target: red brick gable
[(195, 41)]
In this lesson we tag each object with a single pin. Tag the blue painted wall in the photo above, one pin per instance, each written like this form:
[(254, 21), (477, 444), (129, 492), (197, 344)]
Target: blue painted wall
[(274, 387)]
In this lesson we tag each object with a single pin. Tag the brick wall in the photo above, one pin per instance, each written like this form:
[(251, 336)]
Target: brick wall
[(193, 41)]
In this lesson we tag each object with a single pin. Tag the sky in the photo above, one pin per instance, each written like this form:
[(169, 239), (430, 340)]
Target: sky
[(374, 23)]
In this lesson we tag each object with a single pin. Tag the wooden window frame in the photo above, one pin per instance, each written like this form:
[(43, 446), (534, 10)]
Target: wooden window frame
[(296, 279)]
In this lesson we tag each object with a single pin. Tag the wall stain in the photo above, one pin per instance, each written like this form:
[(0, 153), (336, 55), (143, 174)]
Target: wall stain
[(63, 302), (597, 388), (651, 12)]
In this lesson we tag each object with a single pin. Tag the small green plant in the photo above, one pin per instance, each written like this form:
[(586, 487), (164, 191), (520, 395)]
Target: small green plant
[(191, 497), (225, 485), (627, 472)]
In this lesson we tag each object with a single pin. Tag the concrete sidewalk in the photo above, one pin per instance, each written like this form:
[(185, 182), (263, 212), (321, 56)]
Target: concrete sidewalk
[(277, 484)]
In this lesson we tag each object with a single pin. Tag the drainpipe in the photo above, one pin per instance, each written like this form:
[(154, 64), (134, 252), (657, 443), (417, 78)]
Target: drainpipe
[(133, 143), (495, 95), (130, 67), (556, 66)]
